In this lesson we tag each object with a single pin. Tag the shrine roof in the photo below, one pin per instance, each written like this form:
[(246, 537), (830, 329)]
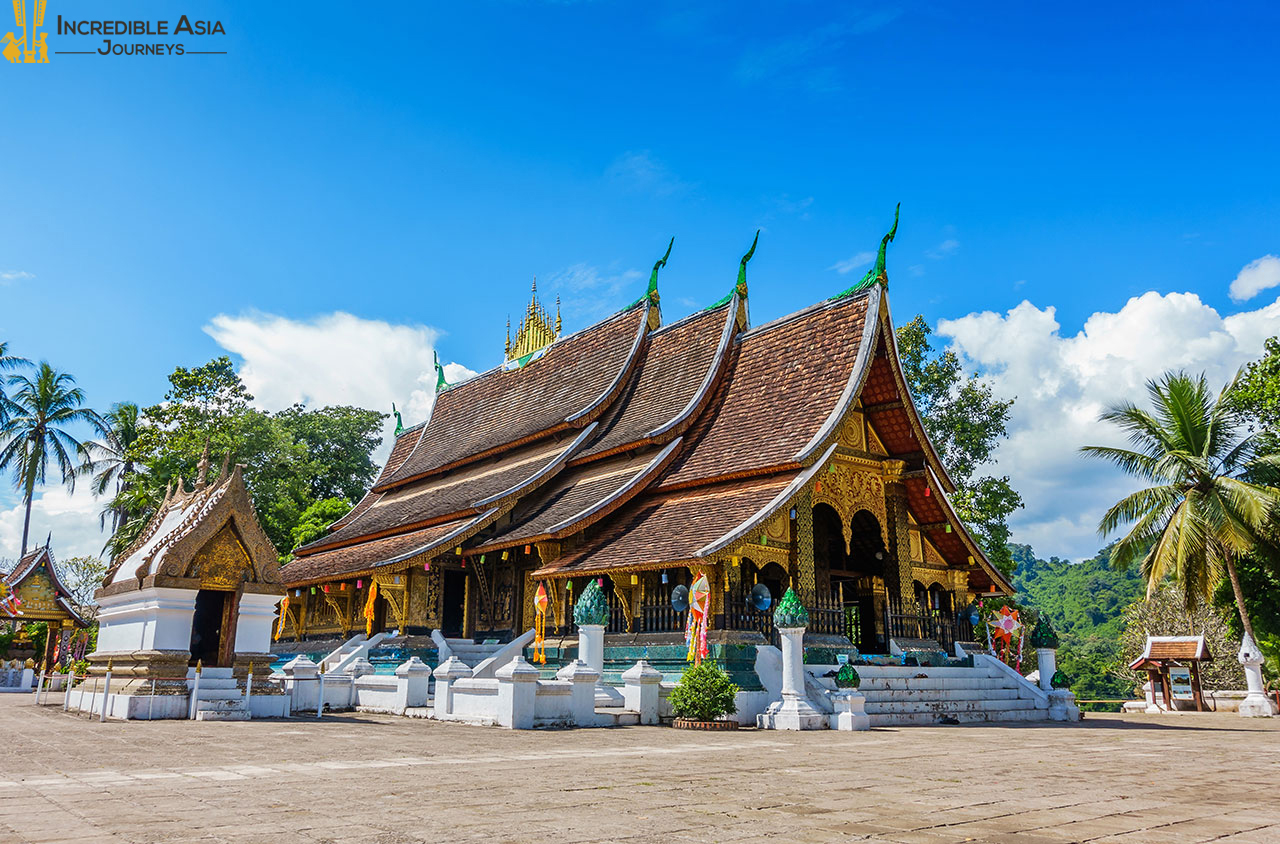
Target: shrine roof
[(569, 386), (787, 384), (674, 377), (1161, 650), (673, 527), (466, 491), (579, 497), (29, 563), (363, 558), (929, 503)]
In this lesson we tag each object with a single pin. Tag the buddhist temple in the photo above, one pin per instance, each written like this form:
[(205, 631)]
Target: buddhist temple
[(645, 454), (34, 592)]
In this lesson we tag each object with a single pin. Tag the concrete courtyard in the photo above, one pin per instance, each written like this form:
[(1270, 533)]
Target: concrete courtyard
[(367, 778)]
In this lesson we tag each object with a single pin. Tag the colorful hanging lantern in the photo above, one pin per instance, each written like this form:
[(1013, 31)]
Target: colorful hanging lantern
[(696, 632), (540, 603), (369, 611), (527, 549), (426, 566), (360, 584), (506, 555)]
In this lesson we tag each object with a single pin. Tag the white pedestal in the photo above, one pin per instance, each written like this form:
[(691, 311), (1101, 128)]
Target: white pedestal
[(794, 711), (1062, 706), (1256, 704), (851, 713), (1047, 659), (591, 646)]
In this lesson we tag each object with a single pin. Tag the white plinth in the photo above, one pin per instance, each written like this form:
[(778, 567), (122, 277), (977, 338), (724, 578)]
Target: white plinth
[(1256, 704), (850, 710), (794, 711)]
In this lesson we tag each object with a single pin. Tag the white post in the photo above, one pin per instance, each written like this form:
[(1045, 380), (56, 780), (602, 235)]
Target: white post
[(66, 692), (446, 673), (413, 680), (1047, 659), (591, 646), (517, 691), (248, 686), (106, 692), (582, 697), (151, 701), (320, 701), (39, 686), (794, 711), (1255, 704), (640, 690), (195, 693)]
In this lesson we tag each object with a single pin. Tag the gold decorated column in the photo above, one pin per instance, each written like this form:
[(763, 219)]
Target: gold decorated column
[(899, 583), (802, 549)]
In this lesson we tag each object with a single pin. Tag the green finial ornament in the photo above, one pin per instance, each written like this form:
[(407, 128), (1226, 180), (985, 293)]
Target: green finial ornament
[(652, 292), (790, 612), (1044, 636), (399, 421), (441, 384), (741, 287), (592, 607), (847, 677), (877, 273)]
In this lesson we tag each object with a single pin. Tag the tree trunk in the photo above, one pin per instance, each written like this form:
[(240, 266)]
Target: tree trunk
[(1239, 593), (26, 527)]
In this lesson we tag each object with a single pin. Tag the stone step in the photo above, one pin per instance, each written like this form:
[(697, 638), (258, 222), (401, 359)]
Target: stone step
[(208, 673), (949, 707), (937, 695), (932, 719), (219, 694), (884, 671), (612, 717), (935, 683), (211, 684), (221, 710)]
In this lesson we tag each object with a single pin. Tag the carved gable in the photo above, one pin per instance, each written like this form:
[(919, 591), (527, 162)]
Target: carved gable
[(223, 562)]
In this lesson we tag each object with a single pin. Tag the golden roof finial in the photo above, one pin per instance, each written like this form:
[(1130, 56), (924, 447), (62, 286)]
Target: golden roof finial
[(535, 331)]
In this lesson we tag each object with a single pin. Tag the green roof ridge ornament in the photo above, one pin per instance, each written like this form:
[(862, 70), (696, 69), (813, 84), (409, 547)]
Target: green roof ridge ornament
[(399, 421), (741, 286), (592, 606), (877, 273), (790, 612), (441, 384), (652, 292)]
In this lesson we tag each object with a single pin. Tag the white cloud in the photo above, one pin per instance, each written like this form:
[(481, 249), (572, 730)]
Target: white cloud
[(71, 517), (639, 171), (336, 359), (1255, 277), (943, 249), (10, 276), (1062, 382), (848, 265), (591, 293)]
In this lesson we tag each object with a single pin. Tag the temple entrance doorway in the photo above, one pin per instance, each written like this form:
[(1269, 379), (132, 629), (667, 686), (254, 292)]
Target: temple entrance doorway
[(212, 628), (453, 614), (857, 574)]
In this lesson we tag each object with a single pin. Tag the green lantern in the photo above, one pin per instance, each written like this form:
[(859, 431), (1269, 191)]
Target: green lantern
[(790, 612), (1044, 635), (592, 607), (847, 677)]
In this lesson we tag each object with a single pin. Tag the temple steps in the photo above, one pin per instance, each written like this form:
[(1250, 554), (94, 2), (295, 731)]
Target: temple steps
[(219, 697), (471, 653), (901, 695), (924, 695), (933, 719), (896, 684)]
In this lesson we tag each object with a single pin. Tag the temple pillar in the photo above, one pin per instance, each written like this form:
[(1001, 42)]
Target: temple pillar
[(899, 581), (802, 557)]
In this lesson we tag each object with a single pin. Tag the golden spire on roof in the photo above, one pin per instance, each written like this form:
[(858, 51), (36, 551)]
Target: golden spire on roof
[(536, 330)]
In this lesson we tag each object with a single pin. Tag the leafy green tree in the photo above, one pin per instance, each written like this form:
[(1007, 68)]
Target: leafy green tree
[(111, 460), (1201, 514), (291, 459), (965, 421), (316, 519), (82, 577), (41, 410), (8, 362), (1165, 613)]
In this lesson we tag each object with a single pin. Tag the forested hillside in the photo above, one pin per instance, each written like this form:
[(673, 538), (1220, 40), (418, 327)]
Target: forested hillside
[(1086, 603)]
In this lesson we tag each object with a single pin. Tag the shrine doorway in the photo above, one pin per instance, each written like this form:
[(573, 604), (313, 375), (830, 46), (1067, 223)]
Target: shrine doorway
[(453, 614), (859, 583), (213, 625)]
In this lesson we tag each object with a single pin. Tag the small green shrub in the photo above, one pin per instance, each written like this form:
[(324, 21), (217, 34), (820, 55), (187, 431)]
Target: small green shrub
[(704, 693)]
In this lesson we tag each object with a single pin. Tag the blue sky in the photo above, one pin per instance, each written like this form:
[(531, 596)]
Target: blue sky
[(413, 166)]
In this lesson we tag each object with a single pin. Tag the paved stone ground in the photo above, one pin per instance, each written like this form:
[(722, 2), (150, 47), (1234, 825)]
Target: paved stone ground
[(365, 778)]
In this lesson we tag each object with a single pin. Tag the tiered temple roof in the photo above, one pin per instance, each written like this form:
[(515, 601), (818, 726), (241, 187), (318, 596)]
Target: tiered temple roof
[(35, 579), (635, 445)]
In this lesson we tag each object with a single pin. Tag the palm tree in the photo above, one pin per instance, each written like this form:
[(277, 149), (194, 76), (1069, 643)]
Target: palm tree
[(1213, 495), (111, 461), (40, 410), (8, 361)]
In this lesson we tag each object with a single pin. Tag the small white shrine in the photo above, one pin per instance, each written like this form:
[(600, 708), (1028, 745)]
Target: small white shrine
[(198, 589)]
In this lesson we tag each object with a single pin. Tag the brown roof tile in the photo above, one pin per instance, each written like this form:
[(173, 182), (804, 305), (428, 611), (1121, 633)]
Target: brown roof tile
[(785, 380), (355, 559), (575, 379), (668, 528), (672, 372)]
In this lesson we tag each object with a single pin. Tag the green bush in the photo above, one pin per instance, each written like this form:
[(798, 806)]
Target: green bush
[(704, 693)]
